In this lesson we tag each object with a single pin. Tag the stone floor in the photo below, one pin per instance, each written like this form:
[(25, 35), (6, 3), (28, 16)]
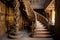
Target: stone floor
[(28, 39), (24, 37)]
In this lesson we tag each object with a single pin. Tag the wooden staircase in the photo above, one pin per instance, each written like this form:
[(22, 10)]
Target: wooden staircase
[(40, 31)]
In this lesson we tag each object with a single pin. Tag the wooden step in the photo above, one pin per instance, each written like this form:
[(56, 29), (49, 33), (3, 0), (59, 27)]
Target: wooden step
[(41, 36), (40, 29), (42, 32)]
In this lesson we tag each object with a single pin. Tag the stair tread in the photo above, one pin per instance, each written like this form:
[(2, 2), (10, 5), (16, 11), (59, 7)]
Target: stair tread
[(42, 35), (40, 27), (43, 29), (41, 32)]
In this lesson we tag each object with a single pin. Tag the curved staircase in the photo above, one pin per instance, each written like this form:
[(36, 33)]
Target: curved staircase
[(40, 31)]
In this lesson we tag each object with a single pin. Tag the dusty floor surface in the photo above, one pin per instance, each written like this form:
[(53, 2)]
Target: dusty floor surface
[(24, 37)]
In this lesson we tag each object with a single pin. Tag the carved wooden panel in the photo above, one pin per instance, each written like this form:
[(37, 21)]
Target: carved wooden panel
[(2, 28), (10, 18), (10, 11), (2, 17), (2, 8), (10, 15)]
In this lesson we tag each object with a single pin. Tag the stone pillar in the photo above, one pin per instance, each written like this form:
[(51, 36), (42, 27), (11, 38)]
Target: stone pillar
[(57, 19)]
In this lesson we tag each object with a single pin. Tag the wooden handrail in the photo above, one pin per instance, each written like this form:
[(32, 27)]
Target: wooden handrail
[(42, 19)]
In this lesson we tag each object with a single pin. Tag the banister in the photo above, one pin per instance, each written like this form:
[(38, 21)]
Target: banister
[(42, 19)]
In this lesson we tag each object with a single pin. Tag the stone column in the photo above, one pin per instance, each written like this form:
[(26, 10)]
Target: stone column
[(57, 19)]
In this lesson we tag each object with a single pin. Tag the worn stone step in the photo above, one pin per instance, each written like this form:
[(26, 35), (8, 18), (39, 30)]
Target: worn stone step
[(39, 33), (42, 36), (40, 27), (42, 32), (38, 30)]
